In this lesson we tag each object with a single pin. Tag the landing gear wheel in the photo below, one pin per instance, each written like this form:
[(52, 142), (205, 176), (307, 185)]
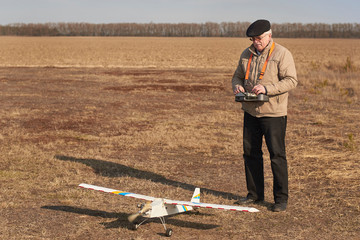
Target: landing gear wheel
[(135, 226), (169, 232)]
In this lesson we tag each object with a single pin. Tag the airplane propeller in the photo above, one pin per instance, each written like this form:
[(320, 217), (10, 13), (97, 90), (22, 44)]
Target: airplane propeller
[(144, 209)]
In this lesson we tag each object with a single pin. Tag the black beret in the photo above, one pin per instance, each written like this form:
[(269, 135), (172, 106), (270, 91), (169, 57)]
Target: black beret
[(258, 27)]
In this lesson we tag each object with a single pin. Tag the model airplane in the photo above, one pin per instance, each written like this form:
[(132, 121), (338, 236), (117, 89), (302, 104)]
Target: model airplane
[(161, 207)]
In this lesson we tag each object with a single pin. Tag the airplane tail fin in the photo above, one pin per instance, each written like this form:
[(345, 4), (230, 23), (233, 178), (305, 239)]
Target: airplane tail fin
[(196, 196)]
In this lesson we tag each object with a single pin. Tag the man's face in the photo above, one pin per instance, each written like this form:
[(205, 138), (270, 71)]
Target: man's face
[(260, 42)]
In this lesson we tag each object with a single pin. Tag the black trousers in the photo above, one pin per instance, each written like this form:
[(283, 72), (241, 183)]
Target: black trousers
[(274, 129)]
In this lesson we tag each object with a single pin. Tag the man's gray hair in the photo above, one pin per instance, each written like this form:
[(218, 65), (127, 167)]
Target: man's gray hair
[(267, 32)]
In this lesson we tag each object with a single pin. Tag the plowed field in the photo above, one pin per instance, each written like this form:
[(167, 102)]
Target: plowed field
[(157, 116)]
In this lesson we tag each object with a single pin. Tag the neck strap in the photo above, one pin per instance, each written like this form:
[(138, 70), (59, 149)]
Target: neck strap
[(264, 66)]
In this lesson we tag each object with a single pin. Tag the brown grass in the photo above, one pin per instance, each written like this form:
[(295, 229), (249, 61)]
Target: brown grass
[(157, 116)]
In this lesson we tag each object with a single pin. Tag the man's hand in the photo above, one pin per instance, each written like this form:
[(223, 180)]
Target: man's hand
[(238, 88), (259, 89)]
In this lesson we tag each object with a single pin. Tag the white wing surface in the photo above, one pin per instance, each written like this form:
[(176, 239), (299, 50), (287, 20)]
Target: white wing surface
[(117, 192), (210, 205)]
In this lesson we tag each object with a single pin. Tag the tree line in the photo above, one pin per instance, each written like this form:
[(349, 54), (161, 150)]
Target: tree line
[(208, 29)]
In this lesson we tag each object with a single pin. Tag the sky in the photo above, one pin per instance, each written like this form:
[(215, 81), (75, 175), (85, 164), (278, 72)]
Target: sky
[(179, 11)]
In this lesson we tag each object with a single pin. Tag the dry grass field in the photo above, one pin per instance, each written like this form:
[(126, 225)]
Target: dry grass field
[(157, 116)]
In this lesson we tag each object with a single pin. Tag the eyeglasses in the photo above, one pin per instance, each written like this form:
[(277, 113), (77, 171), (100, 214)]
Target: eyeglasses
[(258, 38)]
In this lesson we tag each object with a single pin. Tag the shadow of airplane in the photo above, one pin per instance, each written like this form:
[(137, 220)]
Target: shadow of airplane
[(122, 218), (110, 169)]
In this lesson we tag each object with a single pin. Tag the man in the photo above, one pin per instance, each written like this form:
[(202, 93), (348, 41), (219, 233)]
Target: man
[(265, 68)]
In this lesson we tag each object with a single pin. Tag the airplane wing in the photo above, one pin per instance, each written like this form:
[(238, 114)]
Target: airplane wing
[(210, 205), (168, 201), (117, 192)]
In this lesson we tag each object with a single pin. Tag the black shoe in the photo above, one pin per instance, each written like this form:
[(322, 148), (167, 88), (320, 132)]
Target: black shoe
[(247, 200), (279, 207)]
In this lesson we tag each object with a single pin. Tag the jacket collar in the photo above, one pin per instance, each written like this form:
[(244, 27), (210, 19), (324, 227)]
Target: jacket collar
[(267, 48)]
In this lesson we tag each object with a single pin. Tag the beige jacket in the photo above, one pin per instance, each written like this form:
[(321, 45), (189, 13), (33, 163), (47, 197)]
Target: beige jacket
[(279, 78)]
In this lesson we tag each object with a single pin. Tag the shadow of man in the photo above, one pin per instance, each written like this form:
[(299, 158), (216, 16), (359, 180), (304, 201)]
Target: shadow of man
[(111, 169)]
